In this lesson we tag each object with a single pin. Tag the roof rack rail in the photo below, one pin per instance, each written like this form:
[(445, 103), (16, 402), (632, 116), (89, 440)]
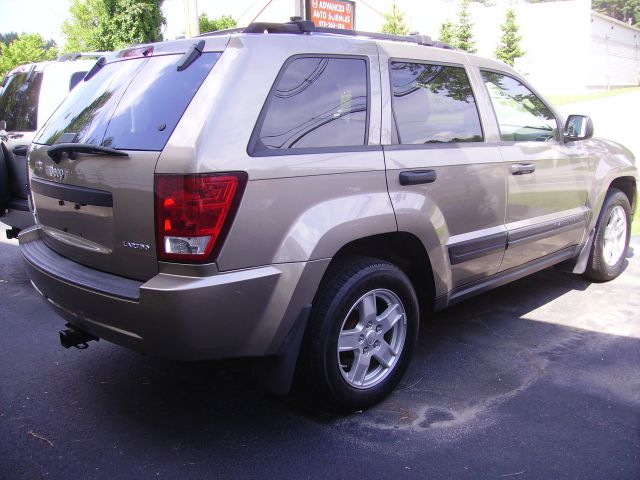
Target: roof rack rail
[(70, 57), (297, 26), (228, 31)]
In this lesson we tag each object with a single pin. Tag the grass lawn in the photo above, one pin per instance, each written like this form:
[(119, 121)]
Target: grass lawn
[(636, 223), (559, 99)]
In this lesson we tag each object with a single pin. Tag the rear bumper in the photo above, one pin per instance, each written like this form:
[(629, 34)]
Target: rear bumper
[(242, 313)]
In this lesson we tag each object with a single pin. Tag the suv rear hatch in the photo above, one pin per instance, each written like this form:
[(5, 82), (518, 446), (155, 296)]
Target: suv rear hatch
[(93, 163)]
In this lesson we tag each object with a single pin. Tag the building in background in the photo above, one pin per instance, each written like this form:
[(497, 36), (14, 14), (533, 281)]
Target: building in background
[(568, 46), (614, 52)]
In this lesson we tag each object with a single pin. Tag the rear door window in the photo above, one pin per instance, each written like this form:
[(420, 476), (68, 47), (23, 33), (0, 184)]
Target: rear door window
[(434, 104), (317, 102), (132, 104), (19, 102)]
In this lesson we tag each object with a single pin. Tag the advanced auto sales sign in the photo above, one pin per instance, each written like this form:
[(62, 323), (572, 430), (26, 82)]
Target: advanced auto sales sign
[(332, 13)]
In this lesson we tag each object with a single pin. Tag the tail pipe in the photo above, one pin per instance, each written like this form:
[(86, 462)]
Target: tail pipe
[(72, 337)]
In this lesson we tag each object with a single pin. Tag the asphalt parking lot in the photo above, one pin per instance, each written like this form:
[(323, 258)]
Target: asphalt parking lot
[(538, 379)]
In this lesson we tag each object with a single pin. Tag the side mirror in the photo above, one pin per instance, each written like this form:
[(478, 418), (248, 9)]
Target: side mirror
[(578, 127)]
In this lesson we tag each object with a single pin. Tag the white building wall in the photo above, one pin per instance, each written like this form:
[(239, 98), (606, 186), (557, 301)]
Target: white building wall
[(615, 53), (567, 47), (555, 39)]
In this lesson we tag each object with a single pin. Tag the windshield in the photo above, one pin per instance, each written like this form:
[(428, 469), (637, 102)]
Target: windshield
[(19, 102), (132, 104)]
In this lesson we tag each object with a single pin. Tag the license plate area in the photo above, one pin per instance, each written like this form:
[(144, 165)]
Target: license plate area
[(87, 222)]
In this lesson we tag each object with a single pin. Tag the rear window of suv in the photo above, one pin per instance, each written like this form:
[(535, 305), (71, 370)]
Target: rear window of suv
[(132, 104), (317, 102), (19, 102)]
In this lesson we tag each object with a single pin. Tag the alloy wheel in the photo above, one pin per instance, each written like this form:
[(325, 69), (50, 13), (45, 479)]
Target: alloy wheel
[(371, 338)]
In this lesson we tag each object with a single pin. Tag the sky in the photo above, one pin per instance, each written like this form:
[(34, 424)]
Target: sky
[(46, 16), (34, 16)]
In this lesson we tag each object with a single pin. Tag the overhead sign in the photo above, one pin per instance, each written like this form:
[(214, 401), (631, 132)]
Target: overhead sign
[(332, 13)]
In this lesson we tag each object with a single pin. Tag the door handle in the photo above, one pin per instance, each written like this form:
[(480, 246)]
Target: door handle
[(522, 168), (417, 177), (21, 150)]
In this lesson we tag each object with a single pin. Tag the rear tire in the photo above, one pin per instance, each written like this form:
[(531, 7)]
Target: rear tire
[(361, 334), (611, 240)]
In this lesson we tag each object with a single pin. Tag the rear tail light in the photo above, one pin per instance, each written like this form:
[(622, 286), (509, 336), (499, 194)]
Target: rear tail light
[(194, 213)]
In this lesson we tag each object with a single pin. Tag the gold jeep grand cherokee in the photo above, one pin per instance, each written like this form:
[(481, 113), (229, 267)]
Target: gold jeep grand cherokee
[(303, 195)]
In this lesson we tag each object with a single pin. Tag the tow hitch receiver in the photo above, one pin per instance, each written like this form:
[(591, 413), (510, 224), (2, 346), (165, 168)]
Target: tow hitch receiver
[(72, 337), (12, 232)]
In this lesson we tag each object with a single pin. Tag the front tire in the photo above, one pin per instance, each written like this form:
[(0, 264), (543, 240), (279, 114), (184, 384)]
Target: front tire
[(611, 240), (361, 334)]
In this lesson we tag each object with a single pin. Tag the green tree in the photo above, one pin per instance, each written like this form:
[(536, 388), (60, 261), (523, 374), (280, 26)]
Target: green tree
[(459, 35), (27, 48), (134, 21), (84, 30), (623, 10), (112, 24), (395, 21), (214, 24), (447, 33), (509, 48), (465, 42), (7, 38)]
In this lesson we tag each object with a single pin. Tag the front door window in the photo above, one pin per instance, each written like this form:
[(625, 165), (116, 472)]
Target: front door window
[(522, 116)]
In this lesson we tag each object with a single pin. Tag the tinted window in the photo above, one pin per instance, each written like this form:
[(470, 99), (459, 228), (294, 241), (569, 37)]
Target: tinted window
[(129, 104), (433, 104), (521, 115), (19, 102), (317, 102)]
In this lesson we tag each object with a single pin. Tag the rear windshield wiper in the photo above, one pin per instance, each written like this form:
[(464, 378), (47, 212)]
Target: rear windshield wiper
[(56, 151), (191, 55)]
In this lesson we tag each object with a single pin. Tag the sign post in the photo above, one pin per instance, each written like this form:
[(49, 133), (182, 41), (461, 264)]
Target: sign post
[(332, 13)]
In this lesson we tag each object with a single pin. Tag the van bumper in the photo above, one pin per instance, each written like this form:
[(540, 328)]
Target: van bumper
[(244, 313)]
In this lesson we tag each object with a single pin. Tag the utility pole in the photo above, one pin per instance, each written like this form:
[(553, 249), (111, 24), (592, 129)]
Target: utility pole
[(192, 20), (607, 60), (299, 8)]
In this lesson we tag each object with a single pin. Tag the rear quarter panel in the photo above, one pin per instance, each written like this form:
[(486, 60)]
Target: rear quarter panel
[(296, 207)]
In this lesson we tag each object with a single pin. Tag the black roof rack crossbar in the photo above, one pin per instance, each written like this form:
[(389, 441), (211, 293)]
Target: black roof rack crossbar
[(307, 26)]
